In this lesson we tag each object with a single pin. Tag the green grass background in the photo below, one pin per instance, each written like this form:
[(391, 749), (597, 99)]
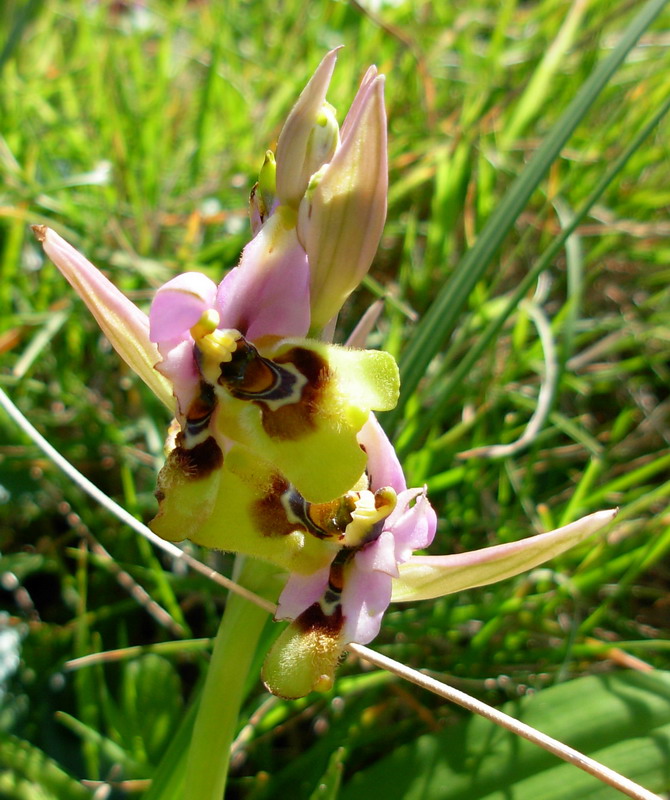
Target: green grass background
[(136, 131)]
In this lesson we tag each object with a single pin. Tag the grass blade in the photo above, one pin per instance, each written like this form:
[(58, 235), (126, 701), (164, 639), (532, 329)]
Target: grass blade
[(467, 362), (438, 323)]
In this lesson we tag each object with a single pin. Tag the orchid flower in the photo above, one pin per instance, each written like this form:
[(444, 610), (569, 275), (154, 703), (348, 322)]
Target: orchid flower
[(252, 416), (264, 416), (345, 601), (275, 451)]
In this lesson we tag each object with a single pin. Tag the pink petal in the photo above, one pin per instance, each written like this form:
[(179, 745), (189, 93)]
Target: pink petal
[(179, 367), (414, 528), (365, 598), (383, 465), (379, 556), (179, 304)]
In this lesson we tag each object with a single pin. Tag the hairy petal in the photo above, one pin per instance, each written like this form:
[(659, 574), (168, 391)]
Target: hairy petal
[(126, 327), (425, 577), (305, 655), (189, 484), (234, 504)]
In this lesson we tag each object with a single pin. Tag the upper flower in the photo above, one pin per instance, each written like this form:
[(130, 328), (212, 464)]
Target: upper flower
[(298, 403)]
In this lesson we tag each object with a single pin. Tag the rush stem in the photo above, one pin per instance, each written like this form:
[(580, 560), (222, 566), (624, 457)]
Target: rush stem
[(224, 689)]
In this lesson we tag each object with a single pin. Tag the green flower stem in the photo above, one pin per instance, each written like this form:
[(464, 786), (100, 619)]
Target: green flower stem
[(223, 693)]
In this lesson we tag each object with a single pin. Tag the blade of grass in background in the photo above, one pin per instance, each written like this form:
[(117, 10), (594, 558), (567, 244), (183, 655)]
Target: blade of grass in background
[(438, 322), (621, 719), (416, 432)]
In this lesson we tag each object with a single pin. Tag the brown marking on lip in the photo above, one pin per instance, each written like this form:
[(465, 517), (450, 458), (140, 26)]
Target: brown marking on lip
[(259, 377), (336, 577), (269, 513), (187, 464), (247, 373), (202, 405), (309, 363), (295, 420), (333, 517), (313, 619), (197, 461)]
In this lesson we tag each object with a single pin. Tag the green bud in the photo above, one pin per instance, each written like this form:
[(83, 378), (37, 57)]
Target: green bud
[(263, 193), (267, 180)]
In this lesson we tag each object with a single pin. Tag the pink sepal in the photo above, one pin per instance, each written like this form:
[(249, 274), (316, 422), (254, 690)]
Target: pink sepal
[(268, 293), (300, 592)]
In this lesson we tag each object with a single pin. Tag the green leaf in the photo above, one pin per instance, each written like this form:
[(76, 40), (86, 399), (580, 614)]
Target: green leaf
[(28, 773), (329, 785), (538, 90), (20, 24), (167, 782), (151, 704), (621, 720), (103, 745), (466, 364)]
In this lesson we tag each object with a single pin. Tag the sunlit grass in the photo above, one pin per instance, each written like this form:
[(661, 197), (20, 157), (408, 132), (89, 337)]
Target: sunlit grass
[(137, 133)]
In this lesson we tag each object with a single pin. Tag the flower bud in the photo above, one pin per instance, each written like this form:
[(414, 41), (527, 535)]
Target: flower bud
[(267, 180), (309, 137), (262, 198), (342, 215)]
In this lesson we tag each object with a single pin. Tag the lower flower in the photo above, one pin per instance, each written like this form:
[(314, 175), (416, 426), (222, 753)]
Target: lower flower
[(345, 601)]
